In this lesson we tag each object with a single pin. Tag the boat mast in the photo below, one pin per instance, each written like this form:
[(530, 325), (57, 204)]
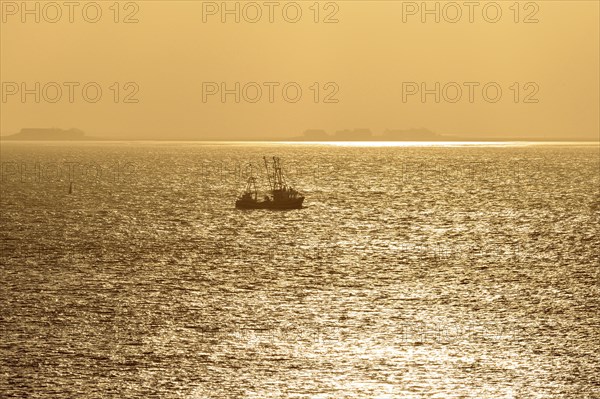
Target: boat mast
[(268, 175), (278, 179), (255, 189)]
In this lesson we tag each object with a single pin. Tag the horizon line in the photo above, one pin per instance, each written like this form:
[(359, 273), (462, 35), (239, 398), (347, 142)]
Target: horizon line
[(490, 141)]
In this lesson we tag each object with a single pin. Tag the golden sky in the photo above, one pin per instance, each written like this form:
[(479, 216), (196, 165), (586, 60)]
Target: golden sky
[(366, 65)]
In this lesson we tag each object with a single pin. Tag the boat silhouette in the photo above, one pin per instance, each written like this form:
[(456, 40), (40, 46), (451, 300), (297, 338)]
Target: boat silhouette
[(280, 195)]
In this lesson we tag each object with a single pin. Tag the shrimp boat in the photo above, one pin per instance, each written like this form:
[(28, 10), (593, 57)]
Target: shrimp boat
[(280, 196)]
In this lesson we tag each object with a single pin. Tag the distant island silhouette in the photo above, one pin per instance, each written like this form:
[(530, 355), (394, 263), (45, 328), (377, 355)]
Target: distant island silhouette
[(310, 135), (30, 134), (413, 134)]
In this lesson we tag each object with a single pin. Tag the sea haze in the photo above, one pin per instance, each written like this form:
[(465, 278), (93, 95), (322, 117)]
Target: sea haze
[(414, 271)]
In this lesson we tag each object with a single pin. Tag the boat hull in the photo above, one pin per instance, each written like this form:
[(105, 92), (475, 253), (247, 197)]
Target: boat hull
[(295, 203)]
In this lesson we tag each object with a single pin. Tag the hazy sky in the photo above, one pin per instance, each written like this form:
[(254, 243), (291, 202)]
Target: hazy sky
[(368, 65)]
